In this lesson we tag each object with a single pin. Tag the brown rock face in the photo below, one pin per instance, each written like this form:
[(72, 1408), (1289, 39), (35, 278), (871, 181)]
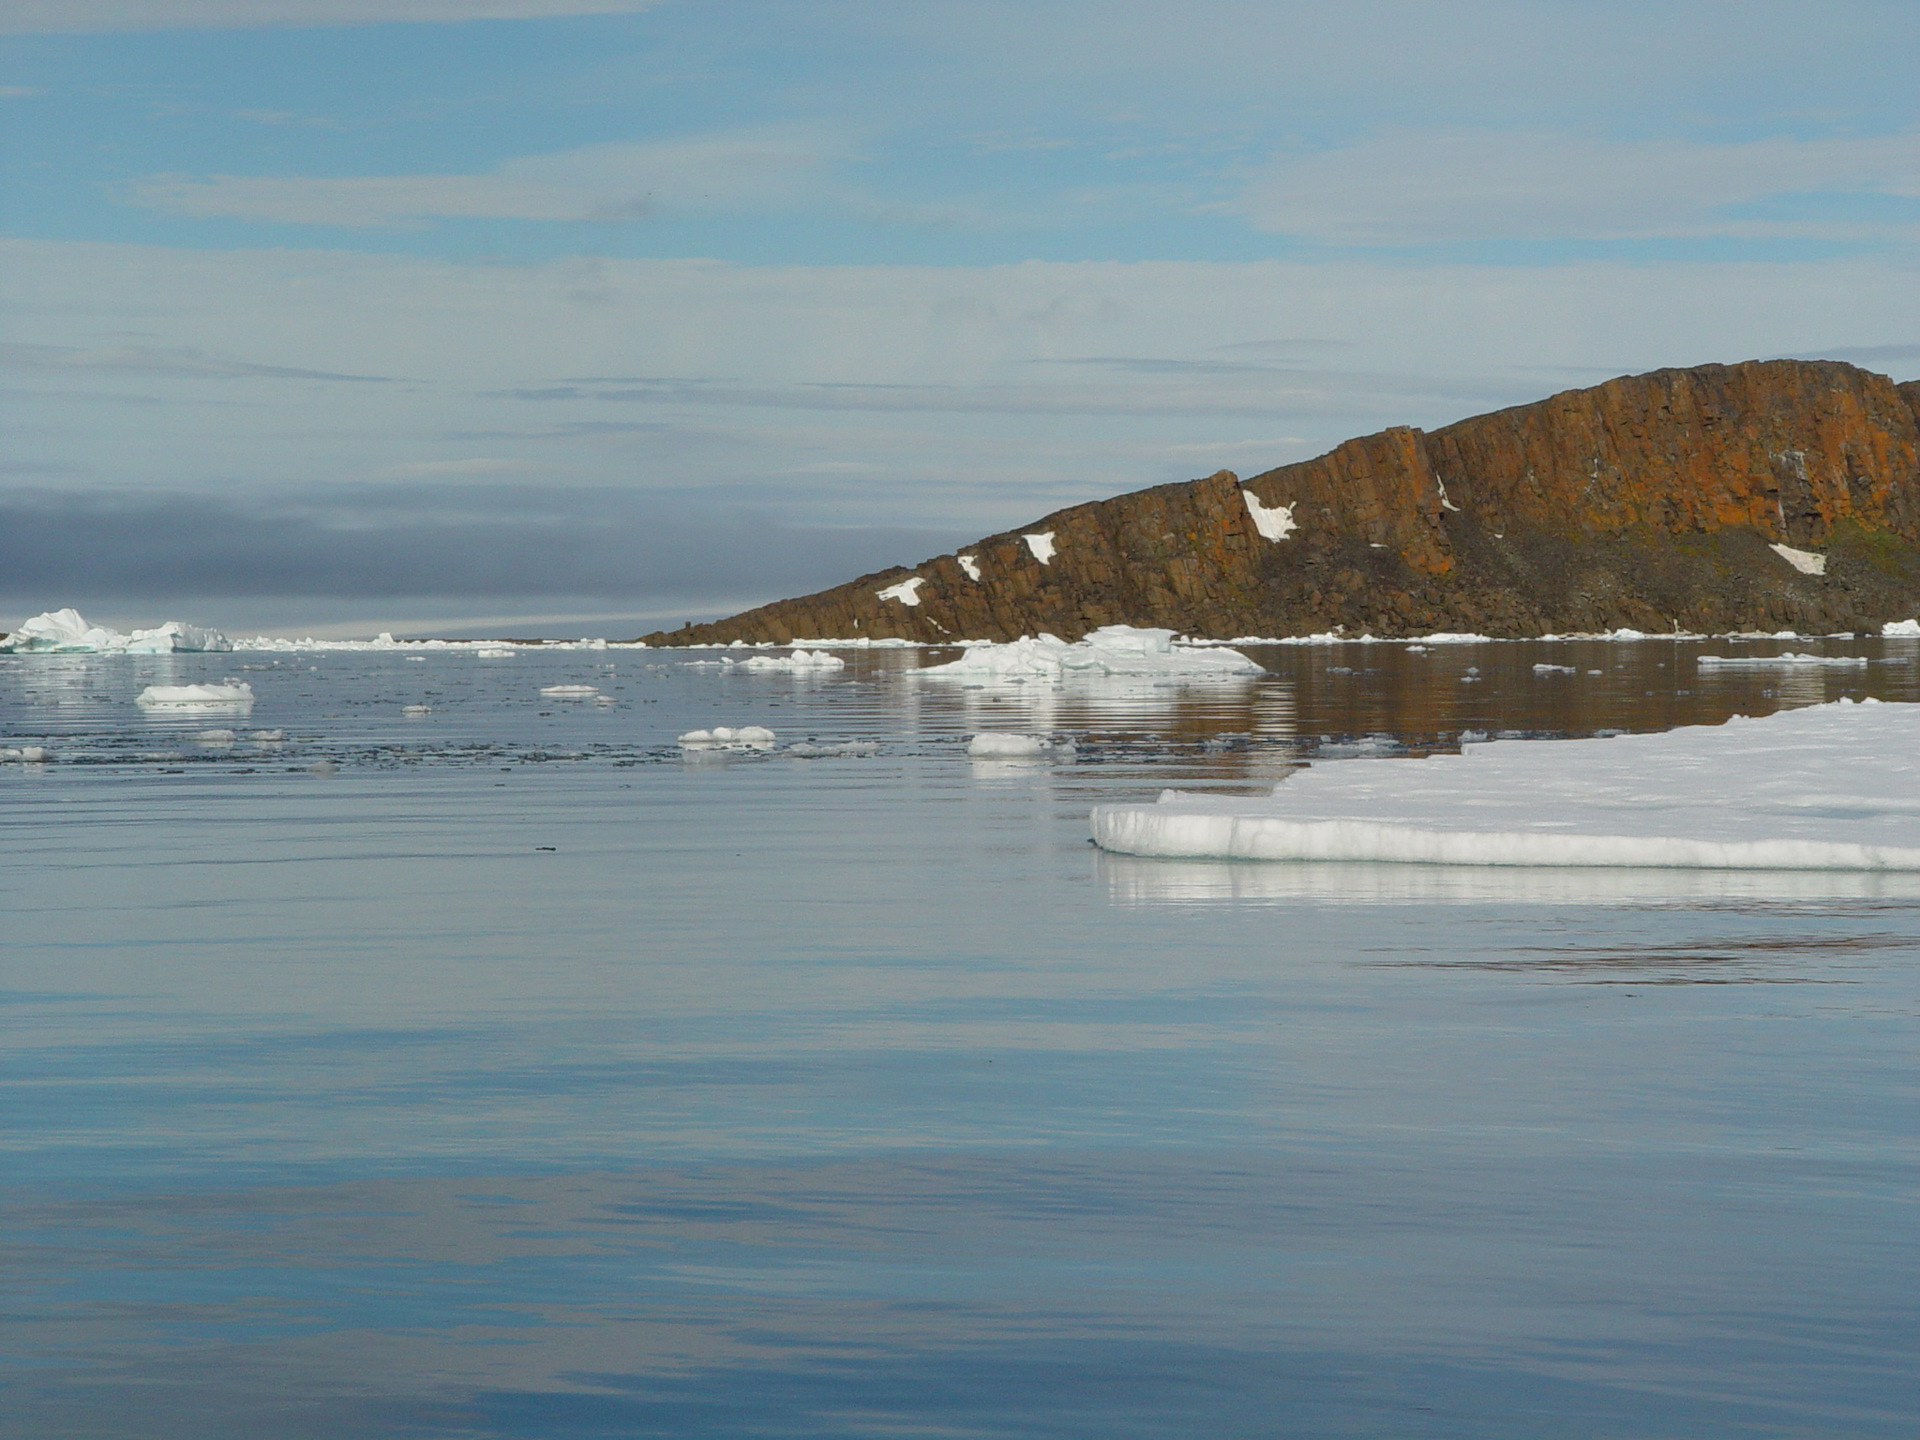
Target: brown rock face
[(1650, 502)]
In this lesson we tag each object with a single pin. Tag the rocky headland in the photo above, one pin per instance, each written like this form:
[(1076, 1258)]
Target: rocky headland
[(1777, 494)]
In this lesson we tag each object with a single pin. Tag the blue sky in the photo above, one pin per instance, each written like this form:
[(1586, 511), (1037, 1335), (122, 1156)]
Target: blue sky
[(804, 289)]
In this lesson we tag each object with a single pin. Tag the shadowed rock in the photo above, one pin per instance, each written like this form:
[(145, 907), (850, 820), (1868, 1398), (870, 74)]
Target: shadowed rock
[(1651, 502)]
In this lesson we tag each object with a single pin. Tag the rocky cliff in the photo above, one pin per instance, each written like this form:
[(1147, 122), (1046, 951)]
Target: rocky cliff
[(1776, 494)]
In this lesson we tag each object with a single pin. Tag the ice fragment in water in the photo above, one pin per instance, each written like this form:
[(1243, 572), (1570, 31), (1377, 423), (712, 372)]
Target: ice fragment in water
[(1000, 745), (726, 737), (231, 695), (1789, 660), (1110, 650), (416, 710), (569, 692), (494, 652), (798, 660), (25, 754)]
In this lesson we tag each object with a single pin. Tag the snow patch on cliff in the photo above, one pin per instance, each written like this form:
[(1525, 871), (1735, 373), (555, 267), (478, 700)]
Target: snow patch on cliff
[(907, 592), (1041, 544), (1805, 561), (970, 565), (1274, 522)]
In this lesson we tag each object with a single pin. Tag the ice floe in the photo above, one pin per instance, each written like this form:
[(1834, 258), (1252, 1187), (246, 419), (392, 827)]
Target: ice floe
[(1790, 660), (1110, 650), (569, 692), (816, 750), (66, 632), (1901, 629), (23, 754), (726, 737), (229, 695), (1001, 745), (1829, 787), (797, 661)]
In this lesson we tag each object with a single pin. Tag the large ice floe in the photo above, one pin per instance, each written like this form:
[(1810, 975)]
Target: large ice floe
[(230, 695), (1111, 650), (66, 632), (1830, 787)]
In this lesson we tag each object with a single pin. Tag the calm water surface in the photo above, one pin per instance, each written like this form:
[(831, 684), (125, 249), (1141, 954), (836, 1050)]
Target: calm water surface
[(494, 1072)]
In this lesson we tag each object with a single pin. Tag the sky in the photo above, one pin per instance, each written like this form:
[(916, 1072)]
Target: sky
[(587, 316)]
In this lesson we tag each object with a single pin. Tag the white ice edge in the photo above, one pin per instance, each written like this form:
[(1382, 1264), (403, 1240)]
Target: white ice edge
[(1829, 787), (1111, 650)]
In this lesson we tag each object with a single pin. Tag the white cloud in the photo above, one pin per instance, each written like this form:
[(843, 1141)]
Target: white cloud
[(768, 169), (1415, 188), (82, 16)]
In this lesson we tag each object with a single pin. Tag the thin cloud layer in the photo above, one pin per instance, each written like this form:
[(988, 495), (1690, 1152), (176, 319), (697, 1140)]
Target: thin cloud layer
[(1423, 189), (751, 170), (20, 17)]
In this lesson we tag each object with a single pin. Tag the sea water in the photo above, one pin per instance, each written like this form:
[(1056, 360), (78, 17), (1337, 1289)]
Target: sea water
[(414, 1053)]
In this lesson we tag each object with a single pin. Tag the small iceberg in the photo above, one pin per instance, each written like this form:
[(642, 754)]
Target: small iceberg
[(725, 737), (232, 695), (569, 692), (66, 632), (1111, 650)]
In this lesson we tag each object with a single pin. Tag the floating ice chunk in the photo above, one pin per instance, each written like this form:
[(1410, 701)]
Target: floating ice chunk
[(1805, 561), (267, 737), (724, 737), (999, 745), (813, 750), (1110, 650), (216, 737), (1901, 629), (906, 592), (569, 692), (1545, 669), (1829, 787), (231, 695), (65, 632), (1041, 544), (972, 567), (798, 660), (1274, 522), (1789, 660), (416, 711), (494, 652), (24, 754)]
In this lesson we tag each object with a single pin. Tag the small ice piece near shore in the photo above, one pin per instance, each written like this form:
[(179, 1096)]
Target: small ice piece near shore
[(728, 737), (813, 750), (1545, 669), (267, 737), (1827, 787), (231, 695), (66, 632), (797, 661), (494, 652), (1110, 650), (569, 692), (416, 711), (1001, 745), (216, 737), (24, 754)]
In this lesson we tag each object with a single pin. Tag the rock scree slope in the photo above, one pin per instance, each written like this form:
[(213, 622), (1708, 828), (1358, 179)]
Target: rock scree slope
[(1777, 494)]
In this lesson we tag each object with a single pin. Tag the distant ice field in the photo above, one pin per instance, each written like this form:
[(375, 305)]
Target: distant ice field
[(451, 1043)]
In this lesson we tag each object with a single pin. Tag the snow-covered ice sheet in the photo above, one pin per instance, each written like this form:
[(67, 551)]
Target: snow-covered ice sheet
[(1110, 650), (1830, 787), (232, 695), (66, 632)]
